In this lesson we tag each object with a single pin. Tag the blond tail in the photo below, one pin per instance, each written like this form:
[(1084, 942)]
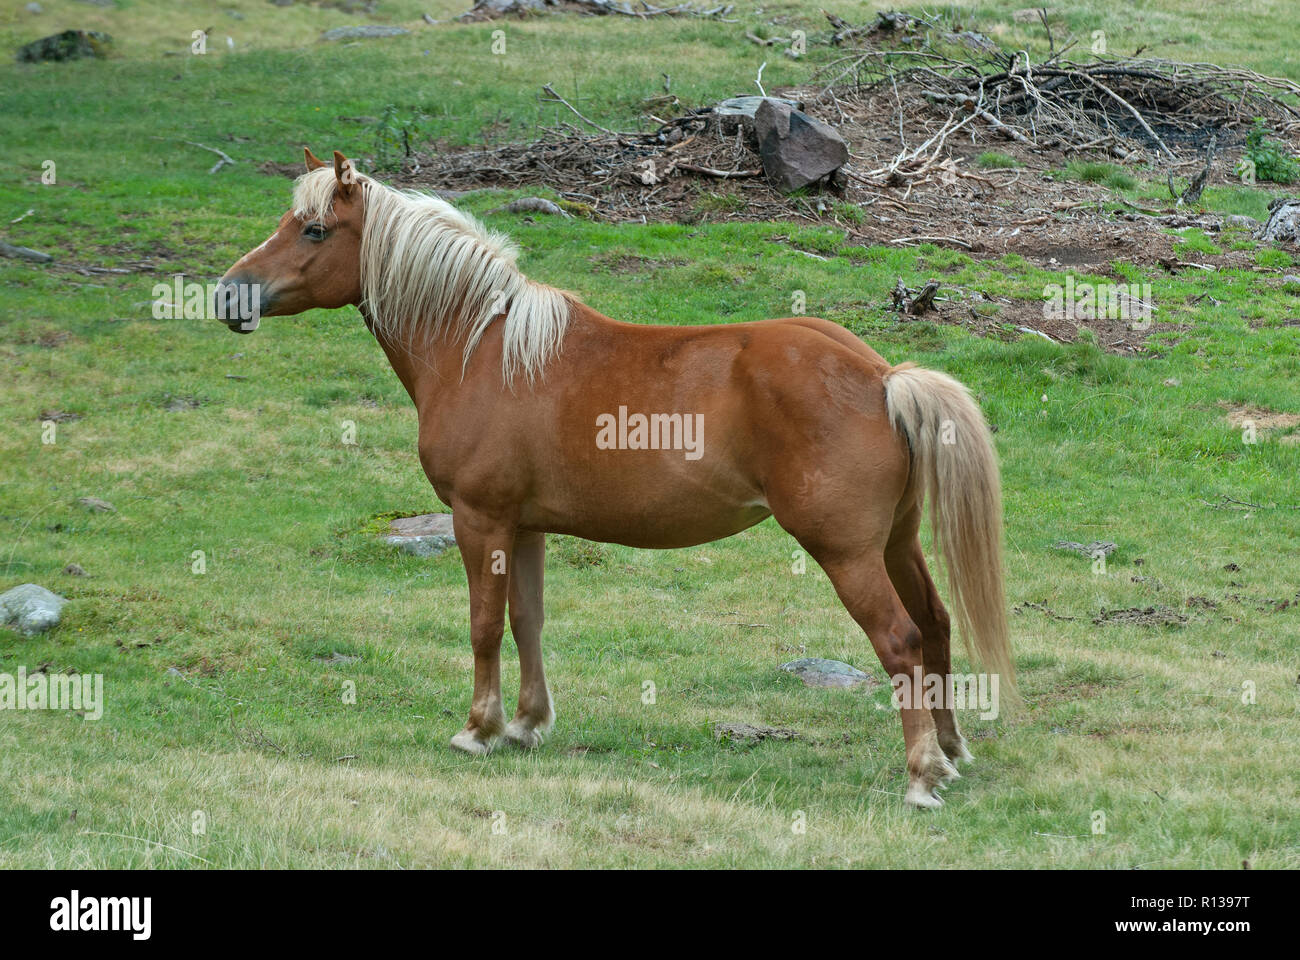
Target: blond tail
[(956, 468)]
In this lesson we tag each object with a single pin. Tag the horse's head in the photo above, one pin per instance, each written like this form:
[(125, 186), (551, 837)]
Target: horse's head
[(313, 258)]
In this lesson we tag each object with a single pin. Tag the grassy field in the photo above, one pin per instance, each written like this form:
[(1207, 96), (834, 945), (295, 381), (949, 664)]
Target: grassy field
[(219, 697)]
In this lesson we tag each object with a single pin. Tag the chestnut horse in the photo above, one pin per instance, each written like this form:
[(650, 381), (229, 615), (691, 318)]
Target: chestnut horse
[(537, 414)]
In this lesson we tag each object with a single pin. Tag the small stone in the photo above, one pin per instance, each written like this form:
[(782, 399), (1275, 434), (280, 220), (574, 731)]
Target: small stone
[(30, 608), (34, 8), (816, 672), (427, 535), (96, 505)]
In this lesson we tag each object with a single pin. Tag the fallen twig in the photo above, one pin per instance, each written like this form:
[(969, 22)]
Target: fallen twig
[(224, 157), (723, 174), (956, 240), (556, 98)]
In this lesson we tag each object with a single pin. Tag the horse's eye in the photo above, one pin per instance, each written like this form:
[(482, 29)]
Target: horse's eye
[(314, 231)]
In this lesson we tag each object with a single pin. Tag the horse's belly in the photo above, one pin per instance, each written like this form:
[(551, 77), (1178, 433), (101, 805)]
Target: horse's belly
[(650, 526)]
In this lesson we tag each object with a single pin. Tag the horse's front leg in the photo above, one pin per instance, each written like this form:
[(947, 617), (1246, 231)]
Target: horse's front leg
[(485, 547), (534, 715)]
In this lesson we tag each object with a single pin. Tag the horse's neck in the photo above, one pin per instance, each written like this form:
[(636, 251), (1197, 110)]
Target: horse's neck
[(423, 370), (431, 367)]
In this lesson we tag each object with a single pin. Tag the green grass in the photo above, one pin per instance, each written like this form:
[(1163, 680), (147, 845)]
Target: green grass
[(993, 160), (1146, 724), (1104, 173)]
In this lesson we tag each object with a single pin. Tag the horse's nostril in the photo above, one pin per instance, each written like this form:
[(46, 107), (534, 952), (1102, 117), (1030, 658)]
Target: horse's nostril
[(236, 302)]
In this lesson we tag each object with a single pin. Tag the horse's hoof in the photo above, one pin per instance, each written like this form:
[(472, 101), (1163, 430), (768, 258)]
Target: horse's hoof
[(521, 735), (922, 798), (469, 742)]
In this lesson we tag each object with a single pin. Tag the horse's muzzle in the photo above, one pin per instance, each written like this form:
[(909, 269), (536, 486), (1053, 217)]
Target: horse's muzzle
[(239, 304)]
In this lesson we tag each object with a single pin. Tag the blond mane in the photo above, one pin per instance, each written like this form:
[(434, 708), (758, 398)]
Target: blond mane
[(423, 262)]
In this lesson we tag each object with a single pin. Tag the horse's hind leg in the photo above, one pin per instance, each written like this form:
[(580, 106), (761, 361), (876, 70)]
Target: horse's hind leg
[(863, 585), (534, 714), (911, 578)]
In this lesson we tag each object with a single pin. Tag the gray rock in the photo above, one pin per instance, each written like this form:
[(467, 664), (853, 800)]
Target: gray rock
[(34, 8), (747, 106), (30, 608), (737, 113), (364, 31), (1237, 220), (424, 536), (816, 672), (23, 253), (96, 505), (751, 733), (796, 150), (1283, 225), (1291, 280), (1107, 547), (68, 45)]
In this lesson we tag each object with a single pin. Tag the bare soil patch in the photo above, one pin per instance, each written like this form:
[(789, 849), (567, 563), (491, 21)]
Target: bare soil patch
[(1142, 616), (1239, 415)]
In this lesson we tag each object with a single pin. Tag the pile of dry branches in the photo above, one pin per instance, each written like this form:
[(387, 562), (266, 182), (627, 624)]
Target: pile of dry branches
[(618, 174), (1136, 109), (492, 9)]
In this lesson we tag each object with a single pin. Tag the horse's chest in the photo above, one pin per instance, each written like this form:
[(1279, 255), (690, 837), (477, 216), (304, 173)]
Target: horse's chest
[(438, 464)]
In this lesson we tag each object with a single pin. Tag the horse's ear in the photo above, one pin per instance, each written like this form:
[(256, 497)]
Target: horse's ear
[(313, 162), (346, 174)]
